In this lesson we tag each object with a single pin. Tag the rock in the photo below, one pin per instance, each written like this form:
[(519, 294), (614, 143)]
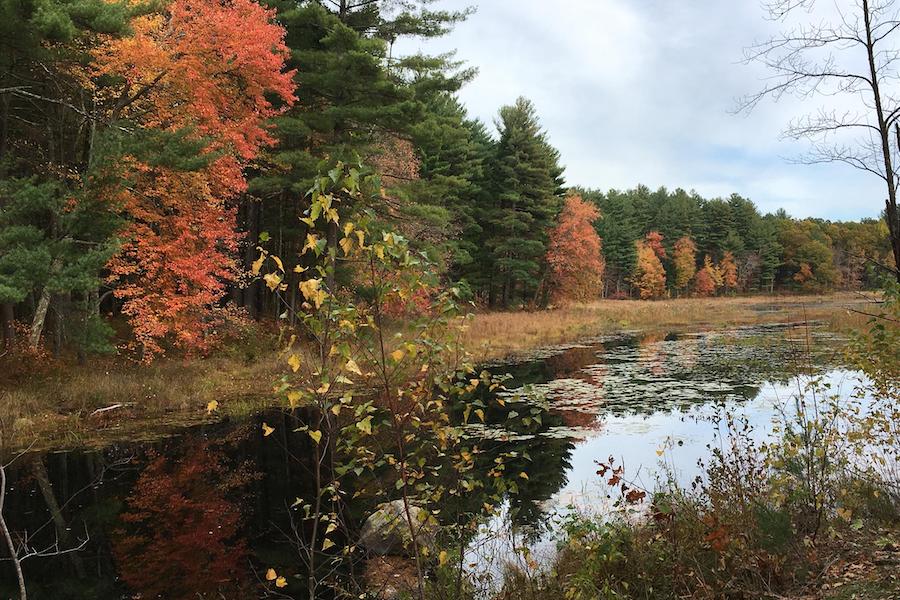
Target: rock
[(387, 532)]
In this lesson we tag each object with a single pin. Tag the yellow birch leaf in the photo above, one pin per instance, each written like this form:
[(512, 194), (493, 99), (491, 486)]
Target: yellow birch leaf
[(316, 436), (294, 362), (267, 431), (294, 398), (278, 262), (271, 575), (326, 544), (281, 582), (257, 264), (523, 475), (212, 406), (353, 367)]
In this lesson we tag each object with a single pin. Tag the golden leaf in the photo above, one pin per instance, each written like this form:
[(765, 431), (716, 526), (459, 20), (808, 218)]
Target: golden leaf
[(271, 575), (353, 367), (316, 436), (398, 355), (212, 406), (281, 582), (294, 398), (326, 544), (257, 264), (267, 431), (294, 362)]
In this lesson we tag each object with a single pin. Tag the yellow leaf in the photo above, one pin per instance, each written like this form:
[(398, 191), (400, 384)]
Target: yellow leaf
[(660, 452), (294, 398), (326, 544), (523, 475), (348, 228), (281, 582), (294, 362), (299, 269), (397, 355), (323, 389), (311, 242), (267, 431), (212, 406), (442, 557), (331, 527), (316, 436), (480, 414), (353, 367), (272, 280), (257, 264), (336, 409), (271, 575), (278, 262), (346, 245), (361, 236), (379, 251)]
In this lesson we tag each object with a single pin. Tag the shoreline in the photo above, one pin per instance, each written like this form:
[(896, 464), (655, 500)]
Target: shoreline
[(69, 407)]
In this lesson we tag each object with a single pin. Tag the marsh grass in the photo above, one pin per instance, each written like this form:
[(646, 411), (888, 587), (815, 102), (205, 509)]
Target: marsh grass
[(504, 335), (63, 406), (52, 402)]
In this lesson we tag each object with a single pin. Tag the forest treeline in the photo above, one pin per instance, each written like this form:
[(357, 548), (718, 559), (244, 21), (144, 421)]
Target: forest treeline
[(149, 150)]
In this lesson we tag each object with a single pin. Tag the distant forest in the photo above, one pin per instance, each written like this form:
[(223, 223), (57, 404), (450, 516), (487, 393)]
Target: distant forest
[(147, 152)]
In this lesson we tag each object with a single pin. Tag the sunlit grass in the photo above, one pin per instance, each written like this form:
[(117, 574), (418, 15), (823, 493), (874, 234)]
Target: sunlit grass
[(497, 335)]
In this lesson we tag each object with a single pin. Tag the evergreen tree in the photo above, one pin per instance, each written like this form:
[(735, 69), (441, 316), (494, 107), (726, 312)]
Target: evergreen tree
[(526, 183)]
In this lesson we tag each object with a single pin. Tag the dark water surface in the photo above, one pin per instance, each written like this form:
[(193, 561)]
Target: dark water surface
[(208, 509)]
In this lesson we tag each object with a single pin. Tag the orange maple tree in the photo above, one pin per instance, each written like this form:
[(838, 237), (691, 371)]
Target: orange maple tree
[(728, 271), (575, 254), (649, 275), (705, 280), (208, 67)]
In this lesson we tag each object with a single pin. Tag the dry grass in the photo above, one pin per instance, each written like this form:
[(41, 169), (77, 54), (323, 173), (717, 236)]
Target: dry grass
[(500, 335), (56, 405), (63, 406)]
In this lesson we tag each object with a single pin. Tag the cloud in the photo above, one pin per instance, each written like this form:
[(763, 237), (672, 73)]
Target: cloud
[(642, 91)]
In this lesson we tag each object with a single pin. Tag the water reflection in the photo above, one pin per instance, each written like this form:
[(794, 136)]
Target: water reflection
[(202, 515)]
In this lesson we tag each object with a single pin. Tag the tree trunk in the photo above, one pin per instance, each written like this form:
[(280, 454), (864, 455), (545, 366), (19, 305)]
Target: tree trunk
[(40, 312), (884, 129), (62, 530), (7, 316)]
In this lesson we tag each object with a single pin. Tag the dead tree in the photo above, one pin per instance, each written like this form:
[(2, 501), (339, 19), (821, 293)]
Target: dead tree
[(845, 53)]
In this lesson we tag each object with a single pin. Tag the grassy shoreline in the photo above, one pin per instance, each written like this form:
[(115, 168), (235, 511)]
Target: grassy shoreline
[(63, 405)]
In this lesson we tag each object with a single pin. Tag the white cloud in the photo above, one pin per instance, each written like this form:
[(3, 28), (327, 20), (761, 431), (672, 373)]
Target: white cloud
[(641, 91)]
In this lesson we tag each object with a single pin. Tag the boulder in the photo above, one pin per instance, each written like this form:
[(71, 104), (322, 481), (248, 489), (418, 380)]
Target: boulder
[(387, 531)]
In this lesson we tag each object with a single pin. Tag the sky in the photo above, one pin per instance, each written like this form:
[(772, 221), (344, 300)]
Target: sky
[(644, 91)]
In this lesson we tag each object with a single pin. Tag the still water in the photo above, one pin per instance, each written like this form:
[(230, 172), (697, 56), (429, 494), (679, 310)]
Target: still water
[(177, 517)]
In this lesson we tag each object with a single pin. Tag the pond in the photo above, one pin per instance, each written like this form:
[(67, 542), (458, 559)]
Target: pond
[(209, 508)]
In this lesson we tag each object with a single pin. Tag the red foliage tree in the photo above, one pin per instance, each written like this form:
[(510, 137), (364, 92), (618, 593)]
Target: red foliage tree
[(208, 66), (705, 279), (179, 538), (575, 254), (654, 240)]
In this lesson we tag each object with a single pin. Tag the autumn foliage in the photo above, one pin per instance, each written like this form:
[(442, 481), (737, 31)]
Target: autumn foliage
[(728, 271), (180, 535), (650, 276), (205, 67), (684, 257), (575, 254), (705, 279)]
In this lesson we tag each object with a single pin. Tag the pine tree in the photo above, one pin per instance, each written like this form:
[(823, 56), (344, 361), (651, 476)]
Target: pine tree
[(526, 183)]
